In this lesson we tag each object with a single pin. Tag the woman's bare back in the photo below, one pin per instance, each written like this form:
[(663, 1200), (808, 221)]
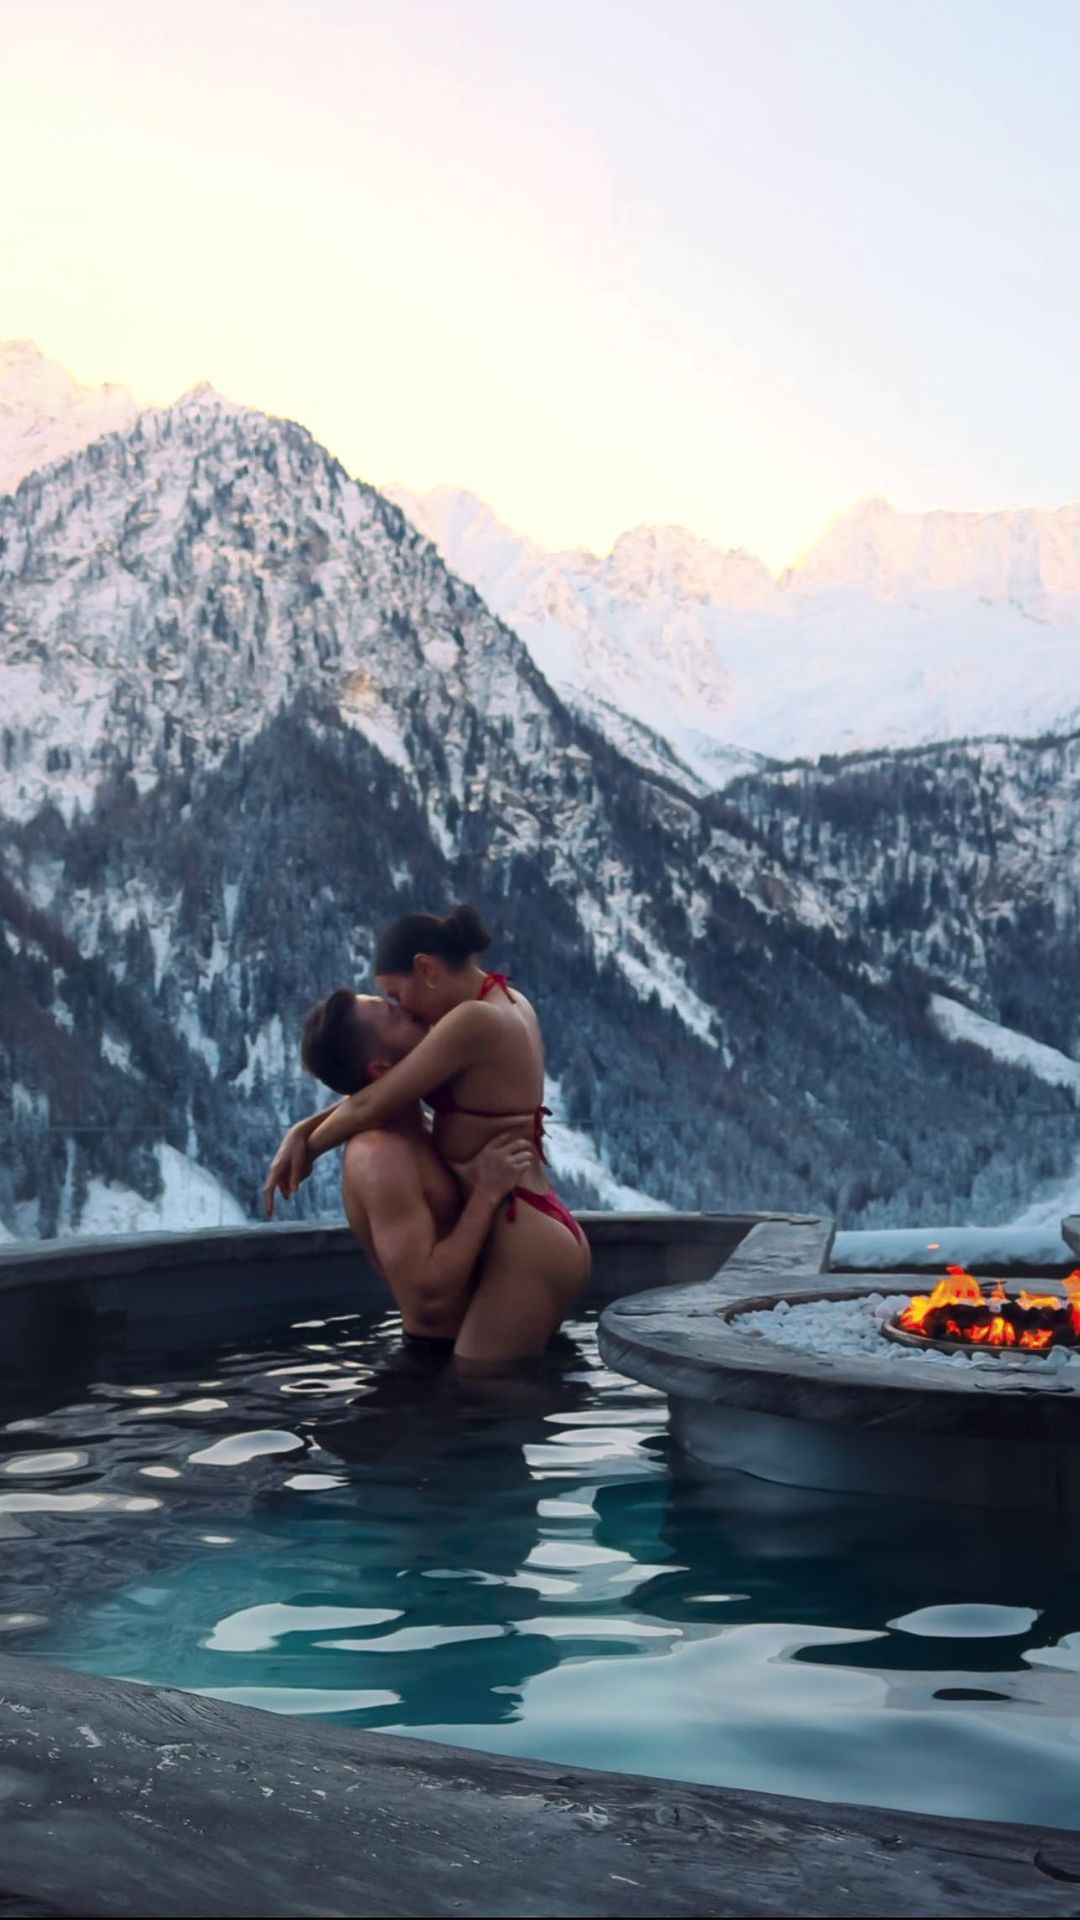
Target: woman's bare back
[(503, 1093)]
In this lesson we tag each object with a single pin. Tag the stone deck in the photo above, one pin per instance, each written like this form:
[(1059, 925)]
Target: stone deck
[(123, 1800)]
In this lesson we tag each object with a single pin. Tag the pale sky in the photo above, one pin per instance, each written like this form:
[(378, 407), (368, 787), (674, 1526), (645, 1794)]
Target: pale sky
[(728, 263)]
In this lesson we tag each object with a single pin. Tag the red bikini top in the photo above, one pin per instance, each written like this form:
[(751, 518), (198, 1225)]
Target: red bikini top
[(442, 1100)]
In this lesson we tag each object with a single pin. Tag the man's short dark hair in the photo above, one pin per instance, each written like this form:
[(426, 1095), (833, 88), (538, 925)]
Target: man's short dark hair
[(338, 1045)]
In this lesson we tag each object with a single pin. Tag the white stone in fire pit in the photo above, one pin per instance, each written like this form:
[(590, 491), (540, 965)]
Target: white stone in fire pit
[(845, 1327)]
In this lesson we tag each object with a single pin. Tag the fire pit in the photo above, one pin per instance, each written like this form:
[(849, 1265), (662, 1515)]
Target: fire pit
[(959, 1315), (781, 1371)]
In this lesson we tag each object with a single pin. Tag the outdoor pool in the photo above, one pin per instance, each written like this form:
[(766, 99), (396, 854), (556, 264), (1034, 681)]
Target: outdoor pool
[(322, 1524)]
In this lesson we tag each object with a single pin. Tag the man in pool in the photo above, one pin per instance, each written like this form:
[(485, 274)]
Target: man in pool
[(405, 1207)]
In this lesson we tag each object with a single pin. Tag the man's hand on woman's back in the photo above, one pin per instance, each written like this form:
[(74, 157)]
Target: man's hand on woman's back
[(499, 1166)]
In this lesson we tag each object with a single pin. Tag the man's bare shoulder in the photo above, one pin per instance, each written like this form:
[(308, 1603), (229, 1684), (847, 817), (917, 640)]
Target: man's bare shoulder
[(380, 1154)]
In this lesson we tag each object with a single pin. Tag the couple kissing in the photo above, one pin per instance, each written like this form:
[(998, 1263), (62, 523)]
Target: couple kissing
[(457, 1215)]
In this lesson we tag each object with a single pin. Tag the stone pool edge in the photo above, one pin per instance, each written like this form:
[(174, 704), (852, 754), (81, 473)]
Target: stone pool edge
[(124, 1799), (147, 1255), (60, 1298)]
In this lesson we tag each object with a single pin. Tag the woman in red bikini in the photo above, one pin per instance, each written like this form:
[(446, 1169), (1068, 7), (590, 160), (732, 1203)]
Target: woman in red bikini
[(480, 1067)]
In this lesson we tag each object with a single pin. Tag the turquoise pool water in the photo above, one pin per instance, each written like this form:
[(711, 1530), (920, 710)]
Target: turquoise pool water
[(324, 1525)]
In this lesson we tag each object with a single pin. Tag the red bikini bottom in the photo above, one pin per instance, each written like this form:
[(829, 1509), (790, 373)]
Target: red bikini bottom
[(548, 1203)]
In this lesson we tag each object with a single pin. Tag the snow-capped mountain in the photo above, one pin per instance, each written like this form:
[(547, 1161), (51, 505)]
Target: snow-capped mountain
[(250, 715), (894, 630), (1027, 560), (634, 631), (45, 414)]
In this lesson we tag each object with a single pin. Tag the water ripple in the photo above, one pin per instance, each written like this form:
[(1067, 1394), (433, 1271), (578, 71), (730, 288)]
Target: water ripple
[(528, 1568)]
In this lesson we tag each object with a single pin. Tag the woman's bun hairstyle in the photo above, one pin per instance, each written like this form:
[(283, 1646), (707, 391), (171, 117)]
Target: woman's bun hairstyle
[(463, 935), (454, 939)]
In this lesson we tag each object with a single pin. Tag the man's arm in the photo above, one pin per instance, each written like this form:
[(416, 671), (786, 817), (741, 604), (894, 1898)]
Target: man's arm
[(430, 1278), (453, 1044)]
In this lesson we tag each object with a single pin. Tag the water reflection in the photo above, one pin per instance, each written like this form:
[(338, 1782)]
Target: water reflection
[(40, 1465), (348, 1529), (853, 1560), (967, 1622), (239, 1449), (421, 1440)]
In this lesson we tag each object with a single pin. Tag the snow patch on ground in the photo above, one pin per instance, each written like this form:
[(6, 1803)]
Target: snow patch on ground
[(37, 724), (932, 1249), (363, 709), (189, 1024), (1038, 1225), (191, 1198), (614, 930), (135, 904), (116, 1052), (1055, 1202), (27, 1103), (268, 1050), (573, 1153), (1016, 1049)]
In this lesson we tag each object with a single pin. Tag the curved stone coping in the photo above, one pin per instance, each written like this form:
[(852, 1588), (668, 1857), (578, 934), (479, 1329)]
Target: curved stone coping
[(121, 1799), (728, 1368), (108, 1257), (165, 1289), (666, 1337)]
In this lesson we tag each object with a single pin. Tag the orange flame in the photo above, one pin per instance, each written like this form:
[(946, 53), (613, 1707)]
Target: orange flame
[(960, 1288), (1036, 1338)]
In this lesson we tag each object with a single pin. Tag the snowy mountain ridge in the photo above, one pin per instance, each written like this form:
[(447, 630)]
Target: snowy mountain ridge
[(158, 632), (45, 414), (169, 589), (894, 630), (1026, 558)]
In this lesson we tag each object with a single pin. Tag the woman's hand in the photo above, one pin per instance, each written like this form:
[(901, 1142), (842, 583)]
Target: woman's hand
[(289, 1167), (498, 1168)]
